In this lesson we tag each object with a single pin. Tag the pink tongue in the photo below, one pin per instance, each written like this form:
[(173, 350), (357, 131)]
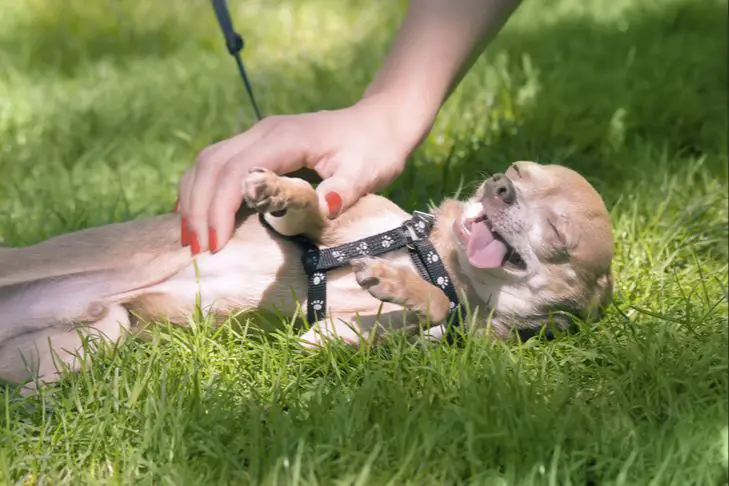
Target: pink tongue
[(483, 250)]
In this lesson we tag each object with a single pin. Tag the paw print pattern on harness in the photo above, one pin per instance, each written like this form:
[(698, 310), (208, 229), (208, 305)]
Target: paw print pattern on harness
[(318, 278)]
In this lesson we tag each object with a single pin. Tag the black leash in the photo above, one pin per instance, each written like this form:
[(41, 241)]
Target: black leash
[(412, 234), (234, 43)]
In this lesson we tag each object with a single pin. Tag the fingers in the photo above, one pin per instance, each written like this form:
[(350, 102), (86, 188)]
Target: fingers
[(199, 185), (352, 161), (351, 181), (339, 192), (280, 155), (223, 206), (184, 189)]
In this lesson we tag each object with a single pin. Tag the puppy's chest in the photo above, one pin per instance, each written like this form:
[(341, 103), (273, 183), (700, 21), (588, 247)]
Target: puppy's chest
[(344, 294), (260, 271)]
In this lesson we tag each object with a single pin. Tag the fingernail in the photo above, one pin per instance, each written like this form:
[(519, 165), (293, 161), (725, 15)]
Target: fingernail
[(194, 243), (177, 206), (213, 240), (334, 203), (184, 232)]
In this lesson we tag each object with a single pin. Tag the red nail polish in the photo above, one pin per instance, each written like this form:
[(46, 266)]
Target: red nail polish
[(334, 202), (194, 243), (213, 240), (184, 232)]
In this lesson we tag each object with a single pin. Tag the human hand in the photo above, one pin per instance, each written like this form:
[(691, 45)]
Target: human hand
[(355, 151)]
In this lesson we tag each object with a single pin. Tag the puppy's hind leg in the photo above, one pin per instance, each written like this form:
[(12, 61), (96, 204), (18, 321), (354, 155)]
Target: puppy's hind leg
[(41, 356), (290, 205)]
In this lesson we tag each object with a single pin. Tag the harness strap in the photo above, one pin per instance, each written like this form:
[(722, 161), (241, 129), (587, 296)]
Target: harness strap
[(412, 234)]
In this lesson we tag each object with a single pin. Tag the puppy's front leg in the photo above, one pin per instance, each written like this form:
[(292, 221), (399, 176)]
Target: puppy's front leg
[(290, 205), (401, 286)]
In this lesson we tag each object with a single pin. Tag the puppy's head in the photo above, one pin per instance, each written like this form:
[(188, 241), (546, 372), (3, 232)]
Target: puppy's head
[(536, 242)]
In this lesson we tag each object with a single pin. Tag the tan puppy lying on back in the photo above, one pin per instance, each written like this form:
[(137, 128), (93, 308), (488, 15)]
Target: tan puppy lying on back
[(529, 242)]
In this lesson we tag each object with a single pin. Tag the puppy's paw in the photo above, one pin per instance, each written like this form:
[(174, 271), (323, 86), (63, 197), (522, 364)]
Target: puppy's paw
[(262, 191), (382, 280)]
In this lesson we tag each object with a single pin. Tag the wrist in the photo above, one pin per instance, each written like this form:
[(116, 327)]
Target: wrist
[(407, 116)]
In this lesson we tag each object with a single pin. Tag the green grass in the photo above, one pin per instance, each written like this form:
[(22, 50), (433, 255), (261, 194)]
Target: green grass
[(104, 104)]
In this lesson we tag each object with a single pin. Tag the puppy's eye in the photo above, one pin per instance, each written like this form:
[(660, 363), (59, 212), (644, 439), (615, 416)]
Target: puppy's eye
[(515, 169)]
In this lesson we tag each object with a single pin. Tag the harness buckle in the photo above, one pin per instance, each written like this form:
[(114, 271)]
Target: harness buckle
[(427, 217), (418, 227)]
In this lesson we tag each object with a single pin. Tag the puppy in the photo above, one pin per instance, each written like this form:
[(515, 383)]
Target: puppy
[(530, 244)]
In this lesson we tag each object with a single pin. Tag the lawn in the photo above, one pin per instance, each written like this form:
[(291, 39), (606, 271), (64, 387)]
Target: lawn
[(104, 104)]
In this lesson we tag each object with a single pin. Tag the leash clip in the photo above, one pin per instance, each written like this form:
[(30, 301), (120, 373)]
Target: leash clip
[(234, 43), (428, 218)]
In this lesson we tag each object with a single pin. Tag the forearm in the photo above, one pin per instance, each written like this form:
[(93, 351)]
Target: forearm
[(437, 43)]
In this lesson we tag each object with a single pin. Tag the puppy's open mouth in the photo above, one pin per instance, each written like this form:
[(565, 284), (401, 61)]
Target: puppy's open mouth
[(486, 248)]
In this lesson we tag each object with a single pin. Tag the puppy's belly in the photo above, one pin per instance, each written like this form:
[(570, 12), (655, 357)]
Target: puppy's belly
[(254, 271), (243, 277)]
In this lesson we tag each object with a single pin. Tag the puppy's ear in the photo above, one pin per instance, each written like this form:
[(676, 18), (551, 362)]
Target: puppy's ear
[(601, 297), (560, 232)]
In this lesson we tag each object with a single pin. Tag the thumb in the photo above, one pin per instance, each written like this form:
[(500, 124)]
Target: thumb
[(339, 192)]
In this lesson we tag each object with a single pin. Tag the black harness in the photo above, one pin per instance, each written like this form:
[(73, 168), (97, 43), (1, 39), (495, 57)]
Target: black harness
[(411, 234)]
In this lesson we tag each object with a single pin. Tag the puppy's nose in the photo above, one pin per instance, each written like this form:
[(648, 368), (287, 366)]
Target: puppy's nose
[(500, 186)]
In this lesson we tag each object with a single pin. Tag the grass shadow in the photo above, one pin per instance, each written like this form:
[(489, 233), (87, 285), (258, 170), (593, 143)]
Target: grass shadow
[(219, 410)]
